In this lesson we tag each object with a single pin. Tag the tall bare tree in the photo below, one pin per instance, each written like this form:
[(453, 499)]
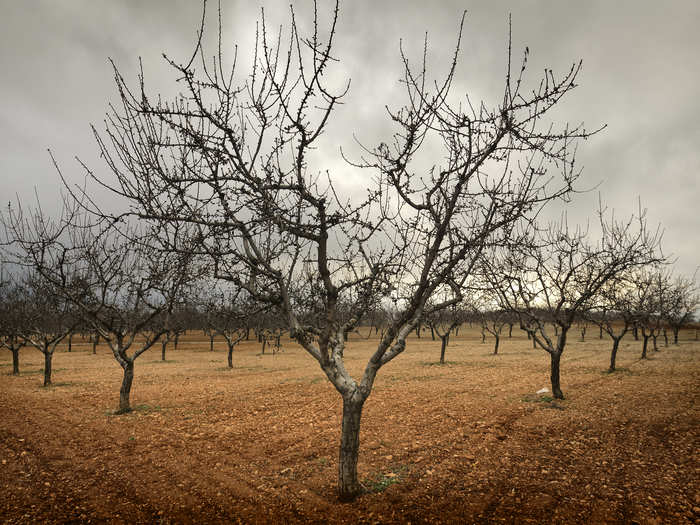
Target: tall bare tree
[(233, 158)]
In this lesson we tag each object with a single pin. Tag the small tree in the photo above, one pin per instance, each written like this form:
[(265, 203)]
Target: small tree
[(558, 273), (12, 319), (49, 319)]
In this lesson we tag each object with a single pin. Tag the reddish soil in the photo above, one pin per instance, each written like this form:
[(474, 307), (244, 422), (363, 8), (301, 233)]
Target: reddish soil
[(468, 441)]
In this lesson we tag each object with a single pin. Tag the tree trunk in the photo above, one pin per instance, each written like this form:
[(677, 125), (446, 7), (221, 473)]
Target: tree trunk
[(644, 346), (15, 361), (432, 333), (177, 339), (443, 347), (264, 343), (348, 485), (600, 331), (163, 344), (495, 347), (665, 337), (47, 367), (230, 355), (534, 343), (510, 330), (556, 385), (95, 342), (675, 335), (483, 336), (653, 338), (635, 332), (613, 354), (211, 342), (70, 342), (125, 391)]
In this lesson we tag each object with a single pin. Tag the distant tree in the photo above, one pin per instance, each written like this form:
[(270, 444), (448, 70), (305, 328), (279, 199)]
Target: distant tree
[(49, 318), (12, 318), (558, 273), (683, 301)]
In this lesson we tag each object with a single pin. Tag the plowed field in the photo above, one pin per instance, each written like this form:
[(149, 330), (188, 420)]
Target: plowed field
[(468, 441)]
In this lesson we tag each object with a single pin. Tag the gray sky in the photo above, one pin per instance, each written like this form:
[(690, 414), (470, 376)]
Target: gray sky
[(640, 77)]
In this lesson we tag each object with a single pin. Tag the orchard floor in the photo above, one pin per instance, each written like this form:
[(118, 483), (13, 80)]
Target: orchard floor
[(468, 441)]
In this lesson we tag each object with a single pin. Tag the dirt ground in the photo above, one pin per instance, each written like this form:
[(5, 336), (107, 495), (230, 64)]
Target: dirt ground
[(468, 441)]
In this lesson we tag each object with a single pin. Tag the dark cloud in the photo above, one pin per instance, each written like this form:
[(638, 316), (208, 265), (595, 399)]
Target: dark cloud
[(640, 77)]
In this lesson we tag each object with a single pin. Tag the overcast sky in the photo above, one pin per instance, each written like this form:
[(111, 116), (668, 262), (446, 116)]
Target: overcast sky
[(640, 76)]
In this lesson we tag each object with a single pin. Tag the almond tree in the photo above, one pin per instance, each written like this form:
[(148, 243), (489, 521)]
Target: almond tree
[(12, 319), (49, 318), (614, 312), (115, 281), (683, 301), (233, 158), (558, 274)]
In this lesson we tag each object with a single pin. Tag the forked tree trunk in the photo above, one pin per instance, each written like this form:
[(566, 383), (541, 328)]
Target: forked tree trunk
[(644, 345), (47, 367), (348, 485), (653, 337), (15, 361), (125, 391), (613, 353), (534, 343), (495, 346), (483, 336), (554, 375)]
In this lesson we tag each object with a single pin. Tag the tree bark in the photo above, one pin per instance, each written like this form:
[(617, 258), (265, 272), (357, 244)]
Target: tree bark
[(554, 376), (613, 354), (432, 333), (47, 367), (495, 347), (70, 342), (125, 391), (15, 361), (510, 330), (95, 342), (163, 344), (675, 335), (665, 333), (653, 338), (230, 355), (348, 485), (211, 342), (644, 346)]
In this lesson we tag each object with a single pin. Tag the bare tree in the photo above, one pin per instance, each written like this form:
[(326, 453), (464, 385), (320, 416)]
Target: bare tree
[(614, 311), (443, 322), (233, 160), (559, 273), (48, 319), (117, 280), (683, 301), (12, 318)]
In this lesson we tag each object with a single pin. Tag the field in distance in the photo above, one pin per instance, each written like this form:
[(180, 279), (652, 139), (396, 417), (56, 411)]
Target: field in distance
[(468, 441)]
